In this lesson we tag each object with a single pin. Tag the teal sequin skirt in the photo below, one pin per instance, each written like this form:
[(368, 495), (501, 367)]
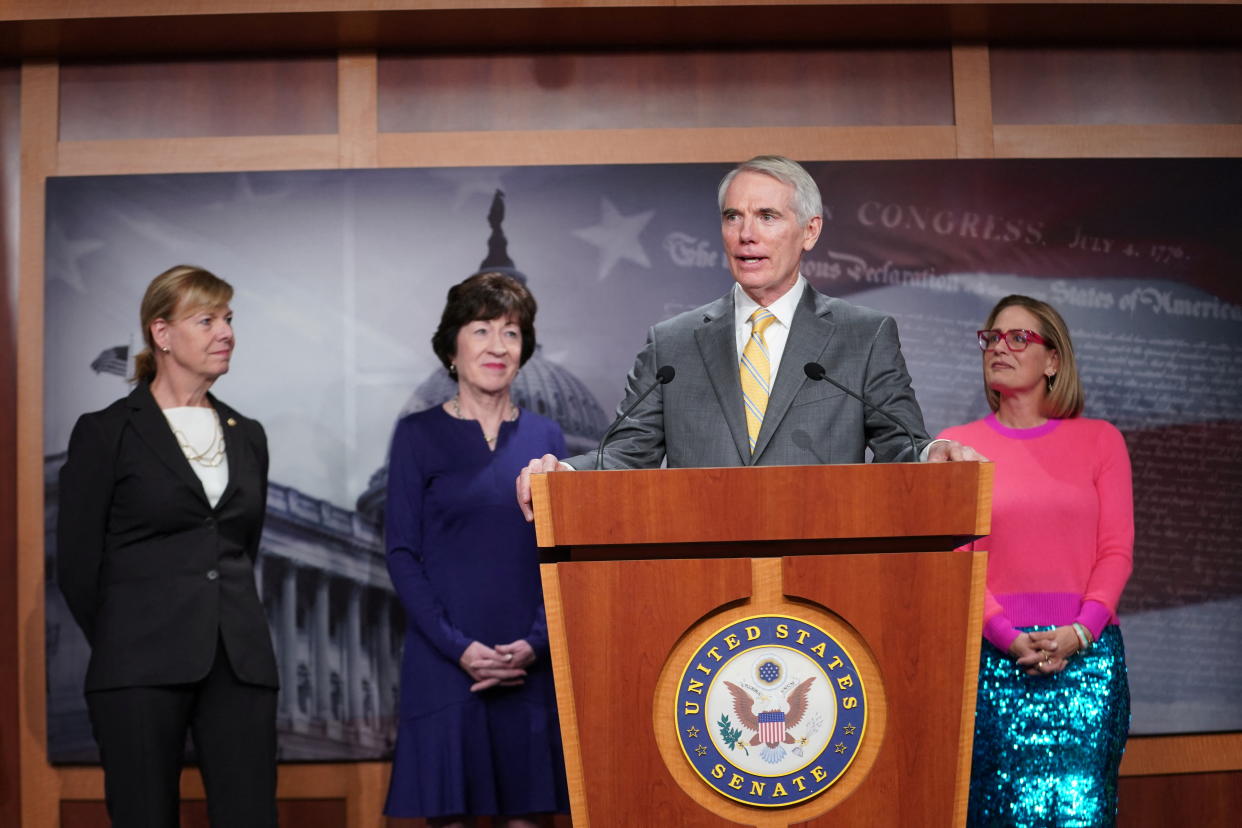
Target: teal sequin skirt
[(1047, 748)]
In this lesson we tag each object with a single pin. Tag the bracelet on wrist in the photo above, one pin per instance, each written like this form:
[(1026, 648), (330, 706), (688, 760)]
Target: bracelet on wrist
[(1084, 636)]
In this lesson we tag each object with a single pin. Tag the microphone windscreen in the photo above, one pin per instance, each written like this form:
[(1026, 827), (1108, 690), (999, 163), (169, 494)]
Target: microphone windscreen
[(665, 374), (814, 370)]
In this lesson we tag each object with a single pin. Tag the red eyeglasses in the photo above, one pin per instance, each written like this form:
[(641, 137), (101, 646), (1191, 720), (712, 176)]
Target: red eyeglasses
[(1017, 339)]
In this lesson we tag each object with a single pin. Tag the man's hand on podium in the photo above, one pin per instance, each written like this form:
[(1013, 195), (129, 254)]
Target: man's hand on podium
[(945, 450), (547, 463)]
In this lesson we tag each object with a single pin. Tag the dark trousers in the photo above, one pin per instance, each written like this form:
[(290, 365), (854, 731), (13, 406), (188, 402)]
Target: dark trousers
[(141, 736)]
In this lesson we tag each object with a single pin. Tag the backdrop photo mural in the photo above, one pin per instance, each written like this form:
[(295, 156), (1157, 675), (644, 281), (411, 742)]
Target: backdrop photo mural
[(340, 278)]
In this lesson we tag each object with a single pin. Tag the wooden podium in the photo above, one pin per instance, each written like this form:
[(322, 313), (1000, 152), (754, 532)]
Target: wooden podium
[(653, 563)]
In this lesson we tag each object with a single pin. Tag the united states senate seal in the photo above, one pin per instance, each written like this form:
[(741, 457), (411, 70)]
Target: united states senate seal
[(771, 710)]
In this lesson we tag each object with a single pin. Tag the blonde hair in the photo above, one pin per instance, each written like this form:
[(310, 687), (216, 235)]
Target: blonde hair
[(182, 288), (1064, 398)]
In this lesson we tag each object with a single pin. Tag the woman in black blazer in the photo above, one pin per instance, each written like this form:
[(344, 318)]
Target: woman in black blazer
[(162, 501)]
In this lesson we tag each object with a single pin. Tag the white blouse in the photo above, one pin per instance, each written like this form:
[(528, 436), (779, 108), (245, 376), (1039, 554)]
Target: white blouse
[(201, 438)]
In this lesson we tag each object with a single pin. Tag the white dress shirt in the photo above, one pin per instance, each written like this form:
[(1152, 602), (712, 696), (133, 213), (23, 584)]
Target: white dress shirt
[(777, 333)]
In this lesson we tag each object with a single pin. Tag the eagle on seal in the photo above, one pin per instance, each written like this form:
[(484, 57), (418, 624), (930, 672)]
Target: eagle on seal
[(765, 716)]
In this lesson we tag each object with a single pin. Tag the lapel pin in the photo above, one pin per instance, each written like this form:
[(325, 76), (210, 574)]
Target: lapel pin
[(231, 421)]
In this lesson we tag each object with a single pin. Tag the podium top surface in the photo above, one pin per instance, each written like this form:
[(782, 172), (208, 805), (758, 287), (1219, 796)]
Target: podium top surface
[(762, 503)]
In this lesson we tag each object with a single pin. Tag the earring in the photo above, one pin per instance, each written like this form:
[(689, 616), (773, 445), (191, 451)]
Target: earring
[(452, 369), (164, 349), (1051, 379)]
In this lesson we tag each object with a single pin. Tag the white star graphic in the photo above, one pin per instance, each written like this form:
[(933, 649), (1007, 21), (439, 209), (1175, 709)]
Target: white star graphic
[(64, 256), (616, 236)]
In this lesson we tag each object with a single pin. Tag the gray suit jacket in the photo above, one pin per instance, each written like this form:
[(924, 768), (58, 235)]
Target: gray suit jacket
[(697, 421)]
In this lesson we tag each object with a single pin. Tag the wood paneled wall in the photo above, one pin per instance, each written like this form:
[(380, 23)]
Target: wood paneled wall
[(390, 109), (10, 719), (666, 89), (1203, 800), (198, 98), (1116, 85)]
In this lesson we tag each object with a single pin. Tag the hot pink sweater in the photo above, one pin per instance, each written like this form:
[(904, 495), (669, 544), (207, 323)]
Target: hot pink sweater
[(1062, 542)]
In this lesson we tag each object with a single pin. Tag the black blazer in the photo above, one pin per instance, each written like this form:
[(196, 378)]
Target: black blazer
[(152, 573)]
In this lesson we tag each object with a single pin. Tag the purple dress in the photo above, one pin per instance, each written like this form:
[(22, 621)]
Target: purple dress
[(464, 562)]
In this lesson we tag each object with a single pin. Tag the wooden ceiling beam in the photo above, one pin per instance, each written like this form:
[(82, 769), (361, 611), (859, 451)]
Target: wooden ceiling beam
[(595, 24)]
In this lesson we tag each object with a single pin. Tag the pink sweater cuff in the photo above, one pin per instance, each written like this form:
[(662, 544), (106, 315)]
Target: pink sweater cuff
[(1000, 632), (1095, 617)]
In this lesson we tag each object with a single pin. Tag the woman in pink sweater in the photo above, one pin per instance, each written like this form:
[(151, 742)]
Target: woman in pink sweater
[(1053, 704)]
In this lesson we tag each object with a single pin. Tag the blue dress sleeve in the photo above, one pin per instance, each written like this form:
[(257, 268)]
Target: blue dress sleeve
[(537, 638), (403, 541)]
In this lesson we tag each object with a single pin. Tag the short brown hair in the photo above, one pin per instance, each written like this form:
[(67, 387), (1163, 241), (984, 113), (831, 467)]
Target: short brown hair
[(487, 295), (180, 288), (1065, 397)]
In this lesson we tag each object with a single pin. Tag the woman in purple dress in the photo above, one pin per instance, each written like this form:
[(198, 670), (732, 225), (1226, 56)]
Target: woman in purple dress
[(478, 731)]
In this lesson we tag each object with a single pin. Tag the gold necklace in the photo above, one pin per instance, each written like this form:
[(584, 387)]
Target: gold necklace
[(209, 457), (491, 441)]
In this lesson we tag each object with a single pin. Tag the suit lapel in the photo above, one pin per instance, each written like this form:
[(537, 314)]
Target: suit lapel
[(153, 429), (718, 348), (809, 333), (235, 447)]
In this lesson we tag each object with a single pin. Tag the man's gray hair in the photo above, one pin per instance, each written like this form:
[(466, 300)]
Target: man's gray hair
[(807, 202)]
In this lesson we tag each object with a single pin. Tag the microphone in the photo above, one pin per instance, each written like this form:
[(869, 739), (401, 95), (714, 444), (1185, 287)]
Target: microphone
[(815, 371), (663, 377)]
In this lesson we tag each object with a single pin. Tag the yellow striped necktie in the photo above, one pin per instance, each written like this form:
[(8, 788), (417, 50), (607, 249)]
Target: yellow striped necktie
[(755, 371)]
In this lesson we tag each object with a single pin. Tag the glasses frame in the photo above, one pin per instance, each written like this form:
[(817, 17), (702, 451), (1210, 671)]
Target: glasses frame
[(986, 334)]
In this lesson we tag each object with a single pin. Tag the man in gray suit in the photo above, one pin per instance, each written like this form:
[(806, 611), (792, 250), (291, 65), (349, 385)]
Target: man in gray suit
[(740, 396)]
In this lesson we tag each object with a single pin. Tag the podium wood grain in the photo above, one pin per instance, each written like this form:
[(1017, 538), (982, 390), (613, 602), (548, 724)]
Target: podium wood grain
[(687, 560), (924, 630), (786, 503), (621, 618)]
